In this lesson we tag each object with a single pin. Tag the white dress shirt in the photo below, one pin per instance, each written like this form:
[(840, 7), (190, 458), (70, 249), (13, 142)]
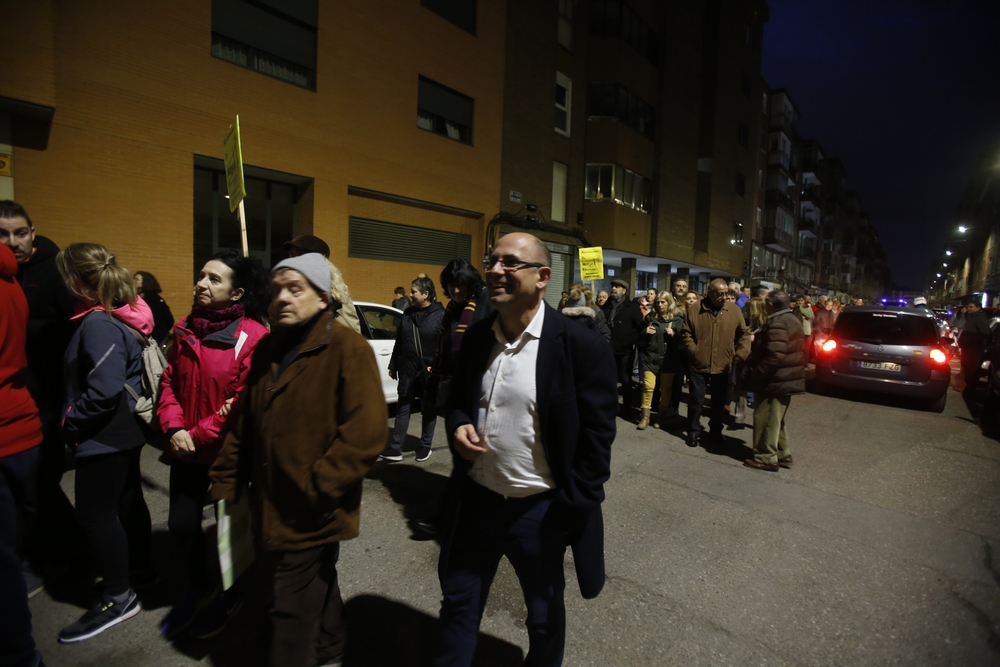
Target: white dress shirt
[(514, 463)]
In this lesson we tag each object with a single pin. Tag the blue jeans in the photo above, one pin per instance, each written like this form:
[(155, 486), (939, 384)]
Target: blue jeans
[(487, 528), (17, 476)]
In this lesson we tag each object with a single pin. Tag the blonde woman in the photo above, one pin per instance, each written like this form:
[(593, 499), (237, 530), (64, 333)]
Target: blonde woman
[(99, 424), (659, 342)]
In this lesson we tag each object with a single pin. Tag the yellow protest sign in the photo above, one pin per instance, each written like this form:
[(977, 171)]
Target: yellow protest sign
[(233, 155), (591, 263)]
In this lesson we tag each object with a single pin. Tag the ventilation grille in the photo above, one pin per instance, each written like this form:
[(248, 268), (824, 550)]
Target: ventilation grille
[(392, 242)]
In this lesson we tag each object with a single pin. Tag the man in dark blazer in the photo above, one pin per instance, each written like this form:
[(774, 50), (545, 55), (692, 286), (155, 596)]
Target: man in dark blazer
[(532, 419)]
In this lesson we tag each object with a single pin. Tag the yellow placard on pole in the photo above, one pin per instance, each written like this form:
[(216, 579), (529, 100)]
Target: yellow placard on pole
[(233, 154), (591, 263)]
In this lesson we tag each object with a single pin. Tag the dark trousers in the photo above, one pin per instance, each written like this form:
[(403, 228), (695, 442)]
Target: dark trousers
[(54, 527), (487, 528), (678, 384), (17, 474), (188, 486), (113, 515), (428, 420), (307, 616), (624, 365), (718, 384)]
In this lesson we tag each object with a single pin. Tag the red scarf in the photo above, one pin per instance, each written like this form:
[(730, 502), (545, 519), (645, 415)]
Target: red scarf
[(205, 321)]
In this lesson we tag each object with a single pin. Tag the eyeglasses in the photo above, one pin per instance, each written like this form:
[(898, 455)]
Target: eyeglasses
[(510, 264)]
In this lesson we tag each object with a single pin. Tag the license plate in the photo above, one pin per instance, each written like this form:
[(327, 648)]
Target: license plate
[(879, 366)]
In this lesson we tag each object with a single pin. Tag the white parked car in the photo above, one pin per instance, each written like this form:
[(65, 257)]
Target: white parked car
[(378, 325)]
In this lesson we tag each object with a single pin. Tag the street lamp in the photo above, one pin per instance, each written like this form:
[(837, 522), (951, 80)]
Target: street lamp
[(948, 252), (962, 229)]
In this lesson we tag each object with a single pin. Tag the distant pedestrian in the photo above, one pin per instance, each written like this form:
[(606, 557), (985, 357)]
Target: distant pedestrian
[(602, 298), (625, 319), (973, 340), (148, 287), (311, 424), (738, 295), (100, 426), (208, 366), (822, 325), (20, 437), (805, 316), (691, 297), (659, 343), (400, 301), (580, 307), (347, 315), (411, 363), (774, 373), (533, 419), (714, 335)]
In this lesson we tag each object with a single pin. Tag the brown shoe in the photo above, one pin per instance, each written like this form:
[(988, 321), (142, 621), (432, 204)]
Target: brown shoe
[(770, 467), (785, 462)]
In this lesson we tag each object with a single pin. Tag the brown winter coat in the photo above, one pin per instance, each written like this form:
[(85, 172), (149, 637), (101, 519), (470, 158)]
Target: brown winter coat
[(711, 342), (305, 440)]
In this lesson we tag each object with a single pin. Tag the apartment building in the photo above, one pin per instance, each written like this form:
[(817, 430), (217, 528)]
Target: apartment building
[(374, 124), (633, 126)]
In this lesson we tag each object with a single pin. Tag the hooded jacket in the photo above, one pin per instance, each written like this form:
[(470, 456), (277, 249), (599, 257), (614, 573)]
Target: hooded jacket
[(305, 438), (777, 363), (102, 356), (404, 360), (660, 351), (712, 340), (202, 375), (50, 307), (590, 316), (20, 428)]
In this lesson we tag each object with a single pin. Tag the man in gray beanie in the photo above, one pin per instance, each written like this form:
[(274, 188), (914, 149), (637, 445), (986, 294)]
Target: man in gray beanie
[(312, 423)]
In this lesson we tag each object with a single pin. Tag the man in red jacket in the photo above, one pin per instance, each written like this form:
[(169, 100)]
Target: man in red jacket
[(20, 435)]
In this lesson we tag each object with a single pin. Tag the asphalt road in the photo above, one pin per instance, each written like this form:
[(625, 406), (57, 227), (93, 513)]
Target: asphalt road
[(881, 546)]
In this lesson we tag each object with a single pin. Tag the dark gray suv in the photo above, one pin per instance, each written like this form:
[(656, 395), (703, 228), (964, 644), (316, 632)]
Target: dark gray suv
[(896, 351)]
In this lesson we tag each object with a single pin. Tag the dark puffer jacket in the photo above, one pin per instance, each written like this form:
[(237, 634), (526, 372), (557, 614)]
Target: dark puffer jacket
[(661, 353), (625, 319), (405, 361), (777, 364)]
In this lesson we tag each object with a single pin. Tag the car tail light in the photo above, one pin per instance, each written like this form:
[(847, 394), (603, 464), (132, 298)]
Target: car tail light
[(829, 346), (938, 356)]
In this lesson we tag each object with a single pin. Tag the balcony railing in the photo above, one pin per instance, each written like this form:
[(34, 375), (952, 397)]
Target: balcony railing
[(782, 123), (779, 198), (810, 165), (778, 236), (812, 193), (808, 223), (807, 254)]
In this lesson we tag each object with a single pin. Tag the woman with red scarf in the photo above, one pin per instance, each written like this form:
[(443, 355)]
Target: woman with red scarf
[(208, 366)]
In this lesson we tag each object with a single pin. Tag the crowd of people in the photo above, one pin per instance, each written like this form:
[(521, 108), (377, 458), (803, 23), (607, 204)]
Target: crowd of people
[(268, 395)]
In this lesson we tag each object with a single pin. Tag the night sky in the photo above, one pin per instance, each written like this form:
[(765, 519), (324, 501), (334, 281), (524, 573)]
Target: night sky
[(906, 93)]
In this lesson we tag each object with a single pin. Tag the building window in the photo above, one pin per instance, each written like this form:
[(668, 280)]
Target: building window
[(741, 184), (745, 84), (564, 98), (460, 12), (564, 31), (615, 183), (612, 100), (744, 136), (611, 18), (279, 43), (274, 202), (444, 111), (393, 242), (560, 175), (737, 233)]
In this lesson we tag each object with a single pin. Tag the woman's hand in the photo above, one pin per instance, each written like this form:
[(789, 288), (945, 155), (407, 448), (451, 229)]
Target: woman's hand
[(669, 330), (226, 408), (651, 329), (182, 443)]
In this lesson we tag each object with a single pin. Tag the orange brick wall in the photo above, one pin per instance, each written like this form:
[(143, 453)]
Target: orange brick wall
[(136, 99)]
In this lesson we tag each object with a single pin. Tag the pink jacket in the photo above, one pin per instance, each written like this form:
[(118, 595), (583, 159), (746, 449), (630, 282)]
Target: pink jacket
[(201, 377)]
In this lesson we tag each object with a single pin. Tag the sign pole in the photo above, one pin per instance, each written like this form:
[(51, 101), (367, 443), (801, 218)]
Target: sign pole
[(243, 229)]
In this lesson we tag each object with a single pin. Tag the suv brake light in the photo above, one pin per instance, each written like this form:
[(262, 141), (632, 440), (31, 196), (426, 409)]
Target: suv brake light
[(830, 345), (938, 356)]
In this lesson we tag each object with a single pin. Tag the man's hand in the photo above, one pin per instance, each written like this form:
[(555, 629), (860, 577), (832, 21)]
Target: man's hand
[(467, 443), (182, 442), (392, 374)]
